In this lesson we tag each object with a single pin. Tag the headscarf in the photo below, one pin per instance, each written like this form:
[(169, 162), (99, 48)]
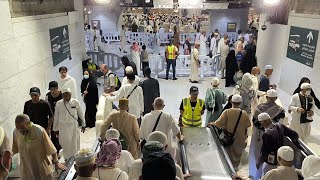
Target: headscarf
[(110, 151), (246, 83), (135, 47)]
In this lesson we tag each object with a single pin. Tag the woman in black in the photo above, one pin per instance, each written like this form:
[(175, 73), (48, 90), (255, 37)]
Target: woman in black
[(248, 61), (307, 80), (89, 92), (231, 68)]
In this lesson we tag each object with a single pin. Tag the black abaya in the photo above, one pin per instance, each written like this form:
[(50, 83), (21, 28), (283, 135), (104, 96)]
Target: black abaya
[(248, 62), (231, 68), (91, 101)]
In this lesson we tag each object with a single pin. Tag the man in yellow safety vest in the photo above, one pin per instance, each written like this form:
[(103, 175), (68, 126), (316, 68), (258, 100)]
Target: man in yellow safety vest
[(171, 58), (191, 109)]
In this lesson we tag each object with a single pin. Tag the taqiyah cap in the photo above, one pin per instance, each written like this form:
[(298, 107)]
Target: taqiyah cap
[(272, 93), (112, 134), (268, 67), (263, 117), (84, 157), (66, 90), (123, 102), (236, 98), (305, 86), (215, 81), (158, 136), (286, 153)]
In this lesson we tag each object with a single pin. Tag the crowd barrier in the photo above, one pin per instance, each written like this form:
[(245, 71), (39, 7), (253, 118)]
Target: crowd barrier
[(110, 37)]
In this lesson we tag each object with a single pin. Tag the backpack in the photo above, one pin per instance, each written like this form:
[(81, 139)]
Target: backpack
[(118, 82)]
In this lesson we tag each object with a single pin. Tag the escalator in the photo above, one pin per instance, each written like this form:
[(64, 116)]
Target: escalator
[(203, 156)]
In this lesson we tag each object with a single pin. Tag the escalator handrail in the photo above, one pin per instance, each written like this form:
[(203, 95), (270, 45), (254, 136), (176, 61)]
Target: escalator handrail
[(302, 146), (184, 159), (224, 156)]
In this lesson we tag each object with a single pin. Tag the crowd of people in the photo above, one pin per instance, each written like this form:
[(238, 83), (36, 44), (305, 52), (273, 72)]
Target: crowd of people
[(136, 137)]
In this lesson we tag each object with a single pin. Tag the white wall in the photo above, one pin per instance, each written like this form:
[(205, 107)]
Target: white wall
[(220, 18), (26, 60)]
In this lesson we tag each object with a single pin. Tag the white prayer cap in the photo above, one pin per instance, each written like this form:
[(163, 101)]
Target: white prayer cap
[(272, 93), (236, 98), (112, 134), (84, 157), (286, 153), (2, 134), (66, 90), (310, 166), (268, 67), (158, 136), (129, 69), (263, 117), (215, 81), (305, 86)]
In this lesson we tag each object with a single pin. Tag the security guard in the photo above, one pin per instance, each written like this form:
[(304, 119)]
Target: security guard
[(171, 58), (191, 109)]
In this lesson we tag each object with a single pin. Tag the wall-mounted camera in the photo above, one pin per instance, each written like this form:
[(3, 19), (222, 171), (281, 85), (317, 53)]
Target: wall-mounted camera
[(264, 27)]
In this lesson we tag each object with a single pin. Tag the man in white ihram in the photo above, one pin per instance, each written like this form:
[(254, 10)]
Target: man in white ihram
[(65, 124)]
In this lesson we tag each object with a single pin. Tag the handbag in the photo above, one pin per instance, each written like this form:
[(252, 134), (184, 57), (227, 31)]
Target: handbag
[(83, 95), (239, 56), (227, 138), (78, 120), (143, 142)]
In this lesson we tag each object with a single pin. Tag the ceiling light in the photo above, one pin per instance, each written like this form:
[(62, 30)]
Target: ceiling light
[(147, 1), (271, 2), (103, 1)]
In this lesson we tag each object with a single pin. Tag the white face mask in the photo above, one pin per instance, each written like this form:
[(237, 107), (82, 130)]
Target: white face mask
[(86, 76), (308, 92)]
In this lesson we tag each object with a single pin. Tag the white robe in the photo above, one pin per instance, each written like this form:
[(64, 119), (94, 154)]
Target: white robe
[(194, 66), (255, 84), (203, 45), (254, 152), (69, 82), (125, 80), (304, 129), (213, 45), (136, 59), (69, 132), (90, 39)]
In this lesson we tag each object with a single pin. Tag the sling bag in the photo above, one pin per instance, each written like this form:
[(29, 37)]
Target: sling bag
[(227, 138), (78, 120), (143, 142)]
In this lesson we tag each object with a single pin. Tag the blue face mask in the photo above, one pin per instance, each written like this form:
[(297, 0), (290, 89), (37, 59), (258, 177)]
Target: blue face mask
[(86, 76)]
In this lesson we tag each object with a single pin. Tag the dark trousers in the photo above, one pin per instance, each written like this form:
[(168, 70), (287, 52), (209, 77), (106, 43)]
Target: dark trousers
[(144, 64), (90, 115), (55, 141), (173, 63)]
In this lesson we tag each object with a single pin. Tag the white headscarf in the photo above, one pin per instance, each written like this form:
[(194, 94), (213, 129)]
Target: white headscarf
[(311, 168), (246, 83)]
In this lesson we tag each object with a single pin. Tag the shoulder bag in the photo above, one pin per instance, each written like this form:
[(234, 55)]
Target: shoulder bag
[(78, 120), (227, 138), (143, 142), (83, 95), (132, 91)]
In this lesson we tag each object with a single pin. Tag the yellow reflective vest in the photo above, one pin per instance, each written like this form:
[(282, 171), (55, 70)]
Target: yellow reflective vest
[(171, 52), (191, 117)]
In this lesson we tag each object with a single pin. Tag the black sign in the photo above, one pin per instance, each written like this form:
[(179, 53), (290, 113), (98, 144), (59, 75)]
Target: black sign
[(60, 45), (302, 45)]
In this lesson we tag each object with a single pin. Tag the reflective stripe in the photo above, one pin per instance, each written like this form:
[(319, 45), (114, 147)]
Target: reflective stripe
[(192, 116)]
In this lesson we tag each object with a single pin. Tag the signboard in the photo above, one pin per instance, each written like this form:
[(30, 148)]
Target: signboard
[(60, 45), (302, 45), (231, 27), (96, 23)]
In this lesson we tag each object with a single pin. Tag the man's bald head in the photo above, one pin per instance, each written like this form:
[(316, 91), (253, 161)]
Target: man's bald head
[(23, 124), (158, 104), (104, 68), (255, 71), (22, 118)]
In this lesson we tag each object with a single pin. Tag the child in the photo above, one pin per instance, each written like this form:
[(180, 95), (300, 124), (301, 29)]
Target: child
[(144, 58)]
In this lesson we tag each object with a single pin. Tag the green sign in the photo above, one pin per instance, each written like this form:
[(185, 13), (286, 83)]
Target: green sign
[(60, 45), (302, 45)]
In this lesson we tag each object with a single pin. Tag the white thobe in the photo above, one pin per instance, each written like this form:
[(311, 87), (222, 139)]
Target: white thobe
[(136, 103), (91, 39), (213, 45), (203, 45), (123, 40), (110, 174), (136, 170), (254, 152), (197, 40), (87, 40), (136, 59), (304, 129), (136, 80), (255, 84), (194, 65), (69, 82), (167, 125), (67, 125), (125, 161)]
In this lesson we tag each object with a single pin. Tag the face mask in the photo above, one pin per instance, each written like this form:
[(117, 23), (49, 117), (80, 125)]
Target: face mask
[(86, 76), (308, 92)]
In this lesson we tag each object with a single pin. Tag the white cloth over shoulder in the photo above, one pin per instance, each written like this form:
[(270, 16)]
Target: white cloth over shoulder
[(69, 82)]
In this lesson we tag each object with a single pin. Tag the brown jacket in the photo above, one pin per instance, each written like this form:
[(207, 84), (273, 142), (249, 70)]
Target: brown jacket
[(126, 124)]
